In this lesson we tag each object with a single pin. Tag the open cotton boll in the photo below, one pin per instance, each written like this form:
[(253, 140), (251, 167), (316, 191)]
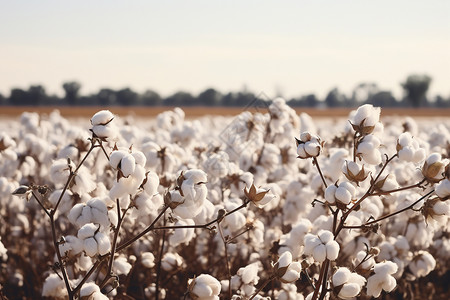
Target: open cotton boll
[(171, 261), (204, 287), (102, 117), (382, 279), (92, 291), (121, 266), (72, 245), (182, 235), (151, 183), (408, 149), (116, 156), (127, 165), (368, 150), (54, 287), (422, 264), (288, 271), (443, 189), (148, 259), (321, 246)]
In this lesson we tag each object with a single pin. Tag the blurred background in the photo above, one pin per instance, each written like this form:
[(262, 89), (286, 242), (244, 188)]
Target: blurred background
[(216, 53)]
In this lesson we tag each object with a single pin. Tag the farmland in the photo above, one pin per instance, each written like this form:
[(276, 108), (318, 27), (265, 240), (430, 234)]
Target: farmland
[(229, 203)]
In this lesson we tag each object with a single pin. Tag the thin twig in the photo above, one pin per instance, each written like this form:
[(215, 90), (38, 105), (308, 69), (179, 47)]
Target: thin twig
[(316, 163), (226, 257), (262, 286), (391, 214), (40, 204), (158, 266)]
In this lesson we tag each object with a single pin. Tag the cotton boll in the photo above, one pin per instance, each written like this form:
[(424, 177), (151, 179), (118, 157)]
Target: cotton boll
[(368, 150), (148, 259), (422, 264), (171, 261), (151, 183), (442, 189), (182, 235), (54, 287), (204, 287), (121, 266), (382, 279)]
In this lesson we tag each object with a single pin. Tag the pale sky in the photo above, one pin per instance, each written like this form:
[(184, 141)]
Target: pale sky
[(294, 47)]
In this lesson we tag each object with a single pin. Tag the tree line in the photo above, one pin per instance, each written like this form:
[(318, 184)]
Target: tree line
[(415, 95)]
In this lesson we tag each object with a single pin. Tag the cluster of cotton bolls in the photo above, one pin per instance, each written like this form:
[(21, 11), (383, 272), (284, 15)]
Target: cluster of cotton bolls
[(265, 204)]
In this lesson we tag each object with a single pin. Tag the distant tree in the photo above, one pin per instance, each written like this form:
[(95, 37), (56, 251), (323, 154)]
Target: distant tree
[(209, 97), (311, 100), (382, 99), (3, 100), (71, 89), (230, 99), (107, 97), (441, 102), (19, 97), (416, 87), (335, 98), (36, 95), (127, 97), (151, 98), (180, 98)]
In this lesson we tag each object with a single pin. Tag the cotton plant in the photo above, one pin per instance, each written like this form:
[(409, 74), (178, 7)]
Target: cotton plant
[(164, 200)]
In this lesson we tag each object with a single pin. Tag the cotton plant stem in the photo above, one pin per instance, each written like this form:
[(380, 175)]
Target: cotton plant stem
[(60, 260), (88, 274), (158, 267), (391, 214), (203, 225), (367, 194), (71, 177), (325, 280), (419, 184), (144, 232), (262, 286), (226, 258), (114, 244), (316, 163), (321, 278), (40, 204)]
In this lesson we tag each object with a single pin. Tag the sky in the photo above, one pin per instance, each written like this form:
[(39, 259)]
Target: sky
[(291, 48)]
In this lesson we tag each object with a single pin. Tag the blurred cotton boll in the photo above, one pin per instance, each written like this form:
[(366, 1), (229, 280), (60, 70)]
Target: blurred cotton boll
[(408, 149), (92, 291), (204, 287)]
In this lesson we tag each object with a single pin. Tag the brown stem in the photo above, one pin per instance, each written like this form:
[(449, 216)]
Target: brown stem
[(399, 189), (114, 244), (203, 225), (71, 176), (367, 194), (316, 163), (226, 258), (40, 204), (144, 232), (158, 267), (88, 274), (60, 261), (319, 281), (391, 214), (262, 286)]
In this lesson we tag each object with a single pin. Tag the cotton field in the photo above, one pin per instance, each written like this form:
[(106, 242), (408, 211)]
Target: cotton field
[(263, 205)]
